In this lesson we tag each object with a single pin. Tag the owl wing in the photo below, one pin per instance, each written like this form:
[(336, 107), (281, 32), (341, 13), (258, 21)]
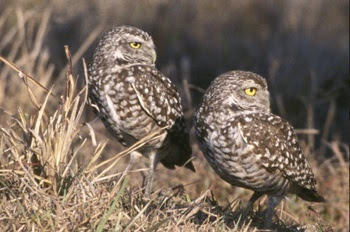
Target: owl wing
[(160, 99), (275, 143), (157, 96)]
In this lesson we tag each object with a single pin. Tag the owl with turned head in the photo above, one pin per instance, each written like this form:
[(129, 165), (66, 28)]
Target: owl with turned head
[(247, 145), (134, 99)]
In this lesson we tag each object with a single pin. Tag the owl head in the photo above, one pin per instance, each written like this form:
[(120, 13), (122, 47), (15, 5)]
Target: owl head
[(240, 90), (126, 45)]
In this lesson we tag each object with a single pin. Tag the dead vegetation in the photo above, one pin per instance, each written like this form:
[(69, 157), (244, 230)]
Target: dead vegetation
[(52, 176)]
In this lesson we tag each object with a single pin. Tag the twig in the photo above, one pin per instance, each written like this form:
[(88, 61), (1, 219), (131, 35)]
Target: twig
[(70, 85), (197, 88), (310, 131)]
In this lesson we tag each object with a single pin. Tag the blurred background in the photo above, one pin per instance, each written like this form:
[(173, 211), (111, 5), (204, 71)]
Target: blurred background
[(300, 47)]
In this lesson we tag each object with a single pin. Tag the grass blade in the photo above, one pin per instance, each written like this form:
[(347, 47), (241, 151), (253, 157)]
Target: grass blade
[(112, 207)]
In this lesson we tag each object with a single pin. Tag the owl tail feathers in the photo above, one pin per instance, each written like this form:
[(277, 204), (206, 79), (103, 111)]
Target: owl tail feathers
[(190, 166), (308, 194)]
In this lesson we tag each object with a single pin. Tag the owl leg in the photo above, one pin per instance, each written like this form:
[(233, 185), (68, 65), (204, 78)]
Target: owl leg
[(153, 161), (272, 202), (248, 209), (134, 156), (253, 199)]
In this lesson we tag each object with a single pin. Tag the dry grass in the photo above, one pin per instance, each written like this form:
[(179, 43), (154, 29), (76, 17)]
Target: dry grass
[(54, 175)]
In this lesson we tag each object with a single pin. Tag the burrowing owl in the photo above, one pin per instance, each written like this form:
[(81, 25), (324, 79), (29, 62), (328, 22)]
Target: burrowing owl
[(134, 99), (247, 145)]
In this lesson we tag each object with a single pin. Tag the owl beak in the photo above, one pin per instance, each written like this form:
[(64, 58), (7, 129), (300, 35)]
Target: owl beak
[(154, 56)]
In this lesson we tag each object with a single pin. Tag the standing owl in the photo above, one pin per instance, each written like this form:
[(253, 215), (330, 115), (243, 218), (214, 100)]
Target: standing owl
[(134, 99), (247, 145)]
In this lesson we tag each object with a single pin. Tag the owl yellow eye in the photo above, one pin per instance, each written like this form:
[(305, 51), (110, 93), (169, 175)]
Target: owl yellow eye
[(135, 45), (250, 91)]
